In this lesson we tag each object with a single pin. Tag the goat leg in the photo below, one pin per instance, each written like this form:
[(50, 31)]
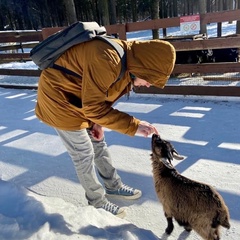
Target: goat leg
[(186, 225), (170, 226)]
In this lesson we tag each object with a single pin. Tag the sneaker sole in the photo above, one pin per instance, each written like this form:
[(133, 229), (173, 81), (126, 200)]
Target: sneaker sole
[(121, 215), (133, 197)]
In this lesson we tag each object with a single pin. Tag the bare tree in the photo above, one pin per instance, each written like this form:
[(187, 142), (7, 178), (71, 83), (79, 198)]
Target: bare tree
[(238, 22), (155, 15), (112, 9), (71, 16), (103, 12), (134, 10), (202, 9)]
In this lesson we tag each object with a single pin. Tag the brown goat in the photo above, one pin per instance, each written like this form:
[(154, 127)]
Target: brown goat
[(194, 205)]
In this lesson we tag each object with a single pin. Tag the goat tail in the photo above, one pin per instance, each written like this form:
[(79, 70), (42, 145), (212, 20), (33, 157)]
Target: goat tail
[(221, 218), (226, 223), (224, 219)]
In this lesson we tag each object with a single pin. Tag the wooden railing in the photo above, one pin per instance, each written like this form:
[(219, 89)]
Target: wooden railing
[(29, 39), (216, 17)]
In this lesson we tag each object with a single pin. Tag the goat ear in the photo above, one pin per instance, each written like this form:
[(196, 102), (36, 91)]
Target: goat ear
[(177, 156)]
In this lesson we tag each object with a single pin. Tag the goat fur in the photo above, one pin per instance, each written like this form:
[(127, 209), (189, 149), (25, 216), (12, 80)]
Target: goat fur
[(194, 205)]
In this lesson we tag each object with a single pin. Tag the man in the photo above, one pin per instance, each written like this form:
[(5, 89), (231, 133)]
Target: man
[(79, 109)]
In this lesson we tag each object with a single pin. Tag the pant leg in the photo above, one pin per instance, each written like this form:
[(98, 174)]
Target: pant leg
[(80, 149), (104, 165)]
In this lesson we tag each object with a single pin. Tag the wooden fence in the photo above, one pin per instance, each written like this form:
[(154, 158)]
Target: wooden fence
[(28, 39)]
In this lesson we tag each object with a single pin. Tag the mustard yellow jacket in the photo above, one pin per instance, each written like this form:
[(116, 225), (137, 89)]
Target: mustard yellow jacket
[(69, 103)]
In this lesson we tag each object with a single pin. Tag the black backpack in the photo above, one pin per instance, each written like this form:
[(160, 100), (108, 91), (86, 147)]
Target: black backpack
[(49, 50)]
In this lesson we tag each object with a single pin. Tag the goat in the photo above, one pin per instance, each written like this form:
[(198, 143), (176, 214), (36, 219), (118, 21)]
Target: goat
[(194, 205)]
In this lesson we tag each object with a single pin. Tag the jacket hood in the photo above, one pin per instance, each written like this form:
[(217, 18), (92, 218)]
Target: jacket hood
[(151, 60)]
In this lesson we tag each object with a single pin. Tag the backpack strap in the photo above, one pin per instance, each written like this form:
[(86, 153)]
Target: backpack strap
[(65, 70), (115, 45), (121, 53)]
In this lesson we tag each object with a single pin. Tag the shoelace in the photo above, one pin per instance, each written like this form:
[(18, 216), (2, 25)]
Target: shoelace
[(111, 207), (126, 188)]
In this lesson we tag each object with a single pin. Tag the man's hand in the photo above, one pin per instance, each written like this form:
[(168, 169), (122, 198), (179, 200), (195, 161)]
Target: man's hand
[(97, 132), (145, 129)]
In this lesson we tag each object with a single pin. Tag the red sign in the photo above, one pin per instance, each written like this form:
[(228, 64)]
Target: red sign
[(191, 18), (189, 23)]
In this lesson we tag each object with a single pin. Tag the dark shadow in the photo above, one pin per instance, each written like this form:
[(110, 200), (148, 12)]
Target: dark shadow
[(233, 203), (26, 213), (118, 232)]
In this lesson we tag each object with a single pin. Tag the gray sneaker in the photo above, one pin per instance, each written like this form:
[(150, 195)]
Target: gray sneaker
[(125, 192), (114, 209)]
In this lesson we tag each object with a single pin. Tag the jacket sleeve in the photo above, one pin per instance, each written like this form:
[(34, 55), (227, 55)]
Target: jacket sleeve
[(98, 75)]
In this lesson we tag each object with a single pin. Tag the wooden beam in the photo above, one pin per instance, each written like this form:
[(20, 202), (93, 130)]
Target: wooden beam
[(15, 56), (226, 67), (20, 72), (119, 29), (221, 78), (46, 32), (20, 36), (215, 43), (18, 46), (17, 86), (153, 24), (223, 16), (192, 90)]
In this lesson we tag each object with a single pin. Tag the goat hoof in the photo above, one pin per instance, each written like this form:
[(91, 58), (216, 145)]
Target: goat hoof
[(188, 229), (168, 230)]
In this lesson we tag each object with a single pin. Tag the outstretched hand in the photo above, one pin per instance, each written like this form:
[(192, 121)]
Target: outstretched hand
[(145, 129)]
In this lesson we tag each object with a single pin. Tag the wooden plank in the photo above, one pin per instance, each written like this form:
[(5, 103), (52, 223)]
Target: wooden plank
[(20, 36), (17, 86), (221, 78), (192, 90), (18, 46), (46, 32), (153, 24), (207, 68), (119, 29), (14, 55), (223, 16), (215, 43), (15, 33), (20, 72)]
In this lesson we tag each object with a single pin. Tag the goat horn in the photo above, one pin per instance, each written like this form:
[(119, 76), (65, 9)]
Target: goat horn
[(177, 156)]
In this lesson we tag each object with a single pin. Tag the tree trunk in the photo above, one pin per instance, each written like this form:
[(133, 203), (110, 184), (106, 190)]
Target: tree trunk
[(230, 6), (70, 11), (155, 15), (103, 12), (113, 13), (238, 22), (202, 10), (175, 10), (219, 24), (134, 10)]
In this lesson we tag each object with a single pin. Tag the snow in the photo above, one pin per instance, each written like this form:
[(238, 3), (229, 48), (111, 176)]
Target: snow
[(41, 197)]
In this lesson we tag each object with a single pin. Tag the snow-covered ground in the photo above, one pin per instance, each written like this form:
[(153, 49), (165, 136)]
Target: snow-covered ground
[(41, 197)]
